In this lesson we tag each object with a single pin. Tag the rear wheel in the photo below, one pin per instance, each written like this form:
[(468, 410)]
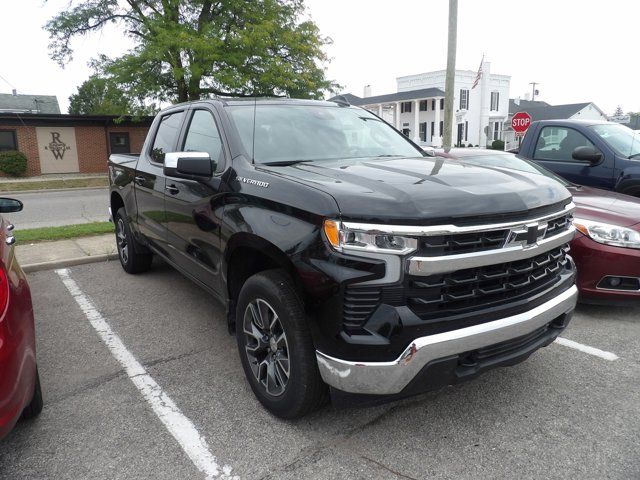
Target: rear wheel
[(132, 256), (275, 345), (35, 405)]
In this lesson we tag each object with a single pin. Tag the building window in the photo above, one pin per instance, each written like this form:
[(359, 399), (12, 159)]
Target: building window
[(119, 142), (464, 99), (433, 128), (8, 140), (466, 131), (442, 104), (433, 105), (495, 101), (405, 107), (423, 131), (441, 127), (406, 132), (496, 130), (423, 105)]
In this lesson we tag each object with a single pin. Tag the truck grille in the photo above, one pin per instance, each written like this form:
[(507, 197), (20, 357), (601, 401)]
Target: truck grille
[(450, 293), (459, 243)]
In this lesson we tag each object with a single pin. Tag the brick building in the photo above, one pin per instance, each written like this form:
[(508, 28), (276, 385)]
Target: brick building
[(55, 143)]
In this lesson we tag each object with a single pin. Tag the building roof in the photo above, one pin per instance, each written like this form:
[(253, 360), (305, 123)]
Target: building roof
[(556, 112), (524, 105), (46, 119), (28, 103), (420, 94)]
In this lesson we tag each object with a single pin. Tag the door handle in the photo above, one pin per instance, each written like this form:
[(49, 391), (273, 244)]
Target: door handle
[(172, 189), (139, 180)]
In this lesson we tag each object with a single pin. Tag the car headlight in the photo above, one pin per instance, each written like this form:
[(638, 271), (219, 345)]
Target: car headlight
[(344, 237), (608, 234)]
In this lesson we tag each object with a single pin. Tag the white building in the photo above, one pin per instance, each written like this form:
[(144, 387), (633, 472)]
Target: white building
[(417, 109)]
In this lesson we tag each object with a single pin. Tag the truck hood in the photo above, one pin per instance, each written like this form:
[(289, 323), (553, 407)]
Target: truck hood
[(424, 189), (608, 207)]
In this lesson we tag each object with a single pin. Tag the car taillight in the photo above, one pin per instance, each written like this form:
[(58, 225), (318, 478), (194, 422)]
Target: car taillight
[(4, 289)]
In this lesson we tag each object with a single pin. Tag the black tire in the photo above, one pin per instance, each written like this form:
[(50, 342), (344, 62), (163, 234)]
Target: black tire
[(302, 390), (132, 255), (35, 405)]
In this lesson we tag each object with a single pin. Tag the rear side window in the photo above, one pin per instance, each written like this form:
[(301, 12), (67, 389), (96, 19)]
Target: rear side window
[(203, 135), (558, 143), (166, 136)]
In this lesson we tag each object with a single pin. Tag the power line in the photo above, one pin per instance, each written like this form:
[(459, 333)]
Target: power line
[(7, 82)]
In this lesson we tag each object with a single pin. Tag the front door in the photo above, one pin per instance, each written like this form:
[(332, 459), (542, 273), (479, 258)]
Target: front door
[(554, 149), (150, 181), (193, 208)]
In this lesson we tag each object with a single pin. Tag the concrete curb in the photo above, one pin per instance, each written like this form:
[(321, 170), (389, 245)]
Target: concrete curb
[(45, 190), (69, 262)]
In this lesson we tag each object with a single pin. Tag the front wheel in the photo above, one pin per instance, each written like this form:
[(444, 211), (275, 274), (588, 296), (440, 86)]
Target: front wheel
[(132, 257), (36, 404), (275, 346)]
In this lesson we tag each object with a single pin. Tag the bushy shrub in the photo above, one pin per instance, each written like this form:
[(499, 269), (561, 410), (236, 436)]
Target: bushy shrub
[(497, 145), (471, 145), (462, 145), (13, 163)]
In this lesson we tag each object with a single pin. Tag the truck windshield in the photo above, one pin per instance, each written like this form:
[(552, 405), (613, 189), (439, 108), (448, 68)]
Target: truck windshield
[(299, 133), (622, 139)]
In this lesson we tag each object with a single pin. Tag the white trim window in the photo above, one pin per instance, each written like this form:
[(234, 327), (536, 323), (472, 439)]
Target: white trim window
[(495, 101), (496, 130), (464, 99)]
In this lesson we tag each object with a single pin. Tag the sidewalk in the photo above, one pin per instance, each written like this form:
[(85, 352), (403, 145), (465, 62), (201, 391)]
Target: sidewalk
[(66, 253)]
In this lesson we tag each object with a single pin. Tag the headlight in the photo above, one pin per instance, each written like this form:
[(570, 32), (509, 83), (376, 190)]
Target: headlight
[(608, 234), (343, 237)]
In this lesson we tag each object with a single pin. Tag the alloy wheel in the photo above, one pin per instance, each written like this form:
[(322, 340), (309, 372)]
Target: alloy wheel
[(123, 244), (266, 347)]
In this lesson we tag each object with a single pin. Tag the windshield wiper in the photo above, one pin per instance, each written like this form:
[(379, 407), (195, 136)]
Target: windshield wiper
[(635, 155), (386, 156), (284, 163)]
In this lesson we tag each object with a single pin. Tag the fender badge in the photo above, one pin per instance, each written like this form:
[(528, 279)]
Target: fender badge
[(250, 181)]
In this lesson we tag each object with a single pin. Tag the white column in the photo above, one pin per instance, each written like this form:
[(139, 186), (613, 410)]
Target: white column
[(396, 118), (416, 121), (380, 110), (437, 138)]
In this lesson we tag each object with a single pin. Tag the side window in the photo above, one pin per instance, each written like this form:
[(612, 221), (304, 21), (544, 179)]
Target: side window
[(558, 143), (203, 136), (166, 136)]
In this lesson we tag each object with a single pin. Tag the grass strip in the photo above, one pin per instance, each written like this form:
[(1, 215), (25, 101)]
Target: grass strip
[(7, 186), (46, 234)]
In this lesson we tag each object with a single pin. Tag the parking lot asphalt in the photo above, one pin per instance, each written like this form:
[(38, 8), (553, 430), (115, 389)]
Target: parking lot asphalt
[(561, 414)]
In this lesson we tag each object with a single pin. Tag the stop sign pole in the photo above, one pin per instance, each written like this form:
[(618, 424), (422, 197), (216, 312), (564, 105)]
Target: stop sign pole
[(520, 123)]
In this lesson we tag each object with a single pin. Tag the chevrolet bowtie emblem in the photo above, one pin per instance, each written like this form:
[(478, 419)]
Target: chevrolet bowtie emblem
[(527, 235)]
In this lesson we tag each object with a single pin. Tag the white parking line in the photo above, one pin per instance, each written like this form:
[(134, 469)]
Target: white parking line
[(587, 349), (182, 429)]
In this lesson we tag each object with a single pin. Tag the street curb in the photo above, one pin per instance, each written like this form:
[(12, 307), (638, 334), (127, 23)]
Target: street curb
[(45, 190), (69, 262)]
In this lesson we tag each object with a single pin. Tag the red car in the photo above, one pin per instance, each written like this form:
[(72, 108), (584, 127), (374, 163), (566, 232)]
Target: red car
[(20, 394), (606, 248)]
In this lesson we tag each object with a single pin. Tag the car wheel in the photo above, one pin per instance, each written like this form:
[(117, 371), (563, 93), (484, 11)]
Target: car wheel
[(35, 405), (132, 256), (275, 346)]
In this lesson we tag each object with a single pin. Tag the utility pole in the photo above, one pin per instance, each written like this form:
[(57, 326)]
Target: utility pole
[(533, 90), (451, 72)]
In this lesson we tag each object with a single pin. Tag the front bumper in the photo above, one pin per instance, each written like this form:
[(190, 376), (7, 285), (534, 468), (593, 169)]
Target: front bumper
[(391, 378)]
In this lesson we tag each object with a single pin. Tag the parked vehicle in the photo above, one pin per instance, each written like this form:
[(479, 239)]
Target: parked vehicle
[(586, 152), (343, 255), (20, 393), (606, 248)]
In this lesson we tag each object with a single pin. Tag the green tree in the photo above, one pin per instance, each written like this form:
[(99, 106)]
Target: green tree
[(190, 49), (619, 112), (97, 96)]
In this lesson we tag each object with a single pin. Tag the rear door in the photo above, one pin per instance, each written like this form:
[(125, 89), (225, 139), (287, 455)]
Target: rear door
[(150, 181), (194, 207), (553, 150)]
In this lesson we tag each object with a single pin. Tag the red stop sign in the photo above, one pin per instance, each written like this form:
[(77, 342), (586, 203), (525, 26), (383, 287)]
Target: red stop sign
[(520, 122)]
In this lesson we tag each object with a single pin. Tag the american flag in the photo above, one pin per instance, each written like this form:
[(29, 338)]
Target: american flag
[(479, 75)]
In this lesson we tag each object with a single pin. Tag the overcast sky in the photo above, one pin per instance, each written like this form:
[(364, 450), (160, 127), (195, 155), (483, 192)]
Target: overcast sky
[(578, 50)]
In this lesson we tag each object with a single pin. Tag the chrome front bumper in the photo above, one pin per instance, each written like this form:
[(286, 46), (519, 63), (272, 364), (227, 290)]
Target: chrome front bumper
[(387, 378)]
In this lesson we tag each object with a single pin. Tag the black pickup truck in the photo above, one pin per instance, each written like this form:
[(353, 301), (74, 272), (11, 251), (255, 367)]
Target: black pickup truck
[(344, 255)]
